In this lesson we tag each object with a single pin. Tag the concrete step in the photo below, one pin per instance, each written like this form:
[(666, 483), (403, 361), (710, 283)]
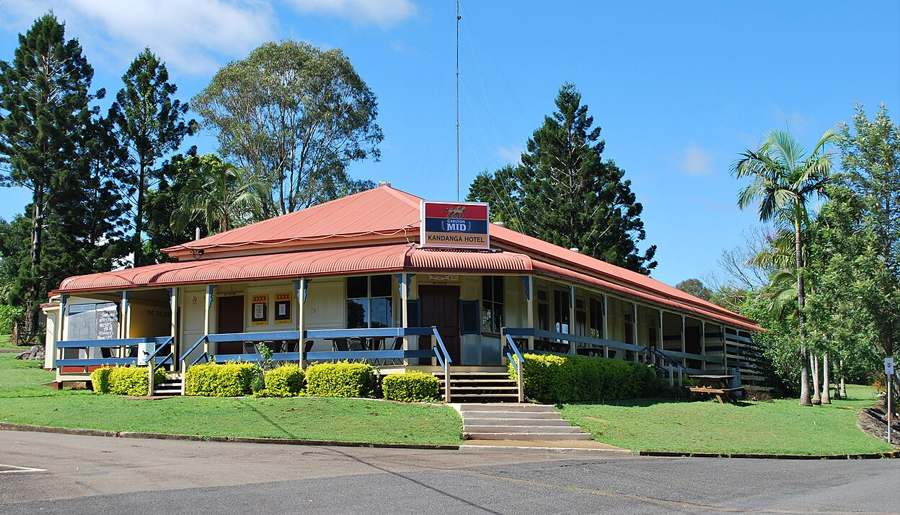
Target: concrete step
[(476, 396), (534, 417), (520, 429), (529, 436), (466, 388), (511, 407), (455, 380), (519, 421)]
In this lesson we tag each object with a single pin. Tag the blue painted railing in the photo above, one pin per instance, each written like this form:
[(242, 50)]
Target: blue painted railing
[(121, 343), (568, 339), (673, 364), (518, 362), (438, 350)]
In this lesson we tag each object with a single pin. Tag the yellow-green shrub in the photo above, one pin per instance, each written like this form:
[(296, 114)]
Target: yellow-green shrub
[(100, 379), (214, 380), (554, 379), (132, 380), (340, 380), (411, 386), (284, 381)]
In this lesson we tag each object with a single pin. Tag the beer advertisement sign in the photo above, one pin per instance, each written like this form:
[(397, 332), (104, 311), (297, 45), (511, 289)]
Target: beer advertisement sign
[(455, 225)]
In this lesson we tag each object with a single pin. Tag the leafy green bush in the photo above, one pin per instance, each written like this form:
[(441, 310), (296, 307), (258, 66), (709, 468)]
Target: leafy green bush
[(100, 379), (411, 386), (131, 380), (284, 381), (214, 380), (340, 380), (9, 315), (556, 379)]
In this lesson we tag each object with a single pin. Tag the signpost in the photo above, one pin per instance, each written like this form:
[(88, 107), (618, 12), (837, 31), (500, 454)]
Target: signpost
[(455, 225), (889, 372)]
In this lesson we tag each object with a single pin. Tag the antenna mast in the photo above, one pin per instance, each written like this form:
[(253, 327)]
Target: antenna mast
[(458, 17)]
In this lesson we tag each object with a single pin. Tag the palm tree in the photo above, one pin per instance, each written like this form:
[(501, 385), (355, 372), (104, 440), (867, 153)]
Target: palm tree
[(222, 195), (783, 180)]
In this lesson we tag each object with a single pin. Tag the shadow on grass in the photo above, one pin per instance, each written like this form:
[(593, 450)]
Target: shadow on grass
[(267, 419), (646, 403)]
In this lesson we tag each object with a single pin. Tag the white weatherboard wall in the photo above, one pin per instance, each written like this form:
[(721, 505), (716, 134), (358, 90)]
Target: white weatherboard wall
[(271, 291), (193, 302), (325, 307)]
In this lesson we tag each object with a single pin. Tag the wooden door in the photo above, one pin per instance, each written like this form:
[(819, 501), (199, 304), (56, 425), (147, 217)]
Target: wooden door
[(440, 308), (230, 320)]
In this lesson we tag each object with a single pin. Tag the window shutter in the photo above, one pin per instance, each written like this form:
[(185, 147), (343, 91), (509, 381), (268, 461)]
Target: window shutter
[(414, 314), (469, 317)]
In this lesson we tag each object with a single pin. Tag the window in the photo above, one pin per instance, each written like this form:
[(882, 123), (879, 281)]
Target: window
[(369, 302), (580, 317), (596, 309), (561, 311), (492, 304), (543, 311)]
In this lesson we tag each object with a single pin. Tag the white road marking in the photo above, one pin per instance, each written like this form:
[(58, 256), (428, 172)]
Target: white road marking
[(16, 469)]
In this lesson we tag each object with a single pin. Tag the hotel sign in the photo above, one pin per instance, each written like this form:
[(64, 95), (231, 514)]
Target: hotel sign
[(455, 224)]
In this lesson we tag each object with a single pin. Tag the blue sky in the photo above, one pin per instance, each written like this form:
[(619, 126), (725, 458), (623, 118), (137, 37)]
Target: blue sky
[(679, 88)]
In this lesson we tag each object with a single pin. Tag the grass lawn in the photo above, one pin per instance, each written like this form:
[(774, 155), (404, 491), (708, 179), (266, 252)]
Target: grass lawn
[(778, 427), (24, 399), (6, 343)]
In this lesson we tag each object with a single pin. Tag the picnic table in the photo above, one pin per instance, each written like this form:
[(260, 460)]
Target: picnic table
[(715, 385)]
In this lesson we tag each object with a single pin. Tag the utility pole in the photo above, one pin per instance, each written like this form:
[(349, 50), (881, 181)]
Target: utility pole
[(458, 17)]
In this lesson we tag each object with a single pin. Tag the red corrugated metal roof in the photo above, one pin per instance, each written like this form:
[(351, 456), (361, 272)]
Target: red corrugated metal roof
[(513, 240), (289, 265), (379, 216), (380, 212)]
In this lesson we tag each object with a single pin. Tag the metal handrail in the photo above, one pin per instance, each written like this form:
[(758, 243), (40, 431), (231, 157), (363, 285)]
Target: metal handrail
[(160, 345), (518, 363), (165, 361), (444, 360), (665, 357), (204, 356), (184, 356), (446, 355)]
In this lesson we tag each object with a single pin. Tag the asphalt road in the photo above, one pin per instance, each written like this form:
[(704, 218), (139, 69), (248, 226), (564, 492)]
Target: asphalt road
[(96, 476)]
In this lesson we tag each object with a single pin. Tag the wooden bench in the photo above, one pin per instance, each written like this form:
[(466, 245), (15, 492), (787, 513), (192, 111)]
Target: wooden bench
[(718, 392)]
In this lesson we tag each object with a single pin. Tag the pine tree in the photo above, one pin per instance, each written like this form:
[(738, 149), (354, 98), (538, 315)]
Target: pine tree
[(150, 125), (563, 192), (45, 130)]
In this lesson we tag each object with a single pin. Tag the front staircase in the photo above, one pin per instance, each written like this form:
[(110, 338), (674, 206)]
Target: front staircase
[(168, 388), (480, 386), (517, 422)]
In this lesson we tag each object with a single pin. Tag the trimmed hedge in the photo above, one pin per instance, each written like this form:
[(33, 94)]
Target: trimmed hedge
[(413, 386), (100, 379), (214, 380), (556, 379), (340, 380), (123, 380), (284, 381)]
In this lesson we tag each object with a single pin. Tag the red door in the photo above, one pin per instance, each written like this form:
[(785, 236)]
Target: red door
[(440, 308), (230, 320)]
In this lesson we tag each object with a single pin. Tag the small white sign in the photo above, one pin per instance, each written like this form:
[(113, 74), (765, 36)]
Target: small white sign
[(888, 366)]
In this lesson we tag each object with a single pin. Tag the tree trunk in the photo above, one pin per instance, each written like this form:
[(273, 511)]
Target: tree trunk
[(801, 301), (816, 399), (32, 297), (137, 244), (843, 384), (826, 382)]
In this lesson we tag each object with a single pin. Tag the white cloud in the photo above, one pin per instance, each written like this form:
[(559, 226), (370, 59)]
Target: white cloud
[(511, 155), (193, 37), (696, 161), (384, 13)]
